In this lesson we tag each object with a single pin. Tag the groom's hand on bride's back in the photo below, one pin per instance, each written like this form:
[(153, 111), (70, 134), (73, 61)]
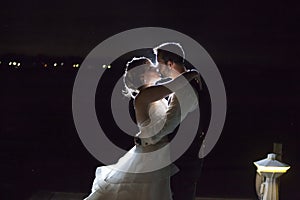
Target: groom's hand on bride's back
[(137, 141), (146, 141)]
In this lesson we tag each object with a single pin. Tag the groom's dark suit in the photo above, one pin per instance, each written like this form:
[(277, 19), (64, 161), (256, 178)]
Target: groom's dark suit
[(183, 183)]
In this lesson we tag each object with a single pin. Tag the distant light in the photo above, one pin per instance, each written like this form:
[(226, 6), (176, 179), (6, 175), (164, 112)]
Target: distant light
[(103, 66), (62, 64), (55, 64), (75, 65), (0, 62), (14, 63), (108, 66), (9, 63), (45, 65), (19, 64)]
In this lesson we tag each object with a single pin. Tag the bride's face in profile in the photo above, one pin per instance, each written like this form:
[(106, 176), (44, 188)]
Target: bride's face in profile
[(151, 75)]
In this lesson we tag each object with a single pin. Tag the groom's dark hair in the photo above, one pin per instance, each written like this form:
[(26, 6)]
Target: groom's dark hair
[(166, 56)]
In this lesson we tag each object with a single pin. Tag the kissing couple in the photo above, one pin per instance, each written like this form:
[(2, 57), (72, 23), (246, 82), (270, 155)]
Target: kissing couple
[(164, 92)]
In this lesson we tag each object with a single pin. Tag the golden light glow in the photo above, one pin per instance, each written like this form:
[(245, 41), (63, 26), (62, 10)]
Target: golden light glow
[(271, 169), (270, 164)]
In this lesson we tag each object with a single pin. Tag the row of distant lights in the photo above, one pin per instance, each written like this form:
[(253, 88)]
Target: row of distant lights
[(106, 66), (15, 64), (77, 65), (61, 64), (18, 64)]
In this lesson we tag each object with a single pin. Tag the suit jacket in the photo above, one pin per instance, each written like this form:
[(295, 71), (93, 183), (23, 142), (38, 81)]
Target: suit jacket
[(190, 158)]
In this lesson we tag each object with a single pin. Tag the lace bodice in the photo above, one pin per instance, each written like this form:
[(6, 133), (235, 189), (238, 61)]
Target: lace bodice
[(157, 119)]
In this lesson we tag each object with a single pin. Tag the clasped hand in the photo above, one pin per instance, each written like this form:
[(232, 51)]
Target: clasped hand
[(146, 141)]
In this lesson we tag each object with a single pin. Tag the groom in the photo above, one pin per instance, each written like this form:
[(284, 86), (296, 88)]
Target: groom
[(183, 184)]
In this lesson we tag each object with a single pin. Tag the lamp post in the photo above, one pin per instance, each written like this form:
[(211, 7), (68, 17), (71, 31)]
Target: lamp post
[(271, 169)]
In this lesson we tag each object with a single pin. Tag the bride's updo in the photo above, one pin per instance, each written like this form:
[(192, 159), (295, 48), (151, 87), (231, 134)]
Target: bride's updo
[(133, 77)]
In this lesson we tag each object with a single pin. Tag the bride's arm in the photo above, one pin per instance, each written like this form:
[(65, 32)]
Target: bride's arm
[(173, 113), (172, 121), (157, 92)]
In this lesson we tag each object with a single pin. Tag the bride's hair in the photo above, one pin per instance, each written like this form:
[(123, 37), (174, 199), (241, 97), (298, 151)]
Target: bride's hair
[(135, 68)]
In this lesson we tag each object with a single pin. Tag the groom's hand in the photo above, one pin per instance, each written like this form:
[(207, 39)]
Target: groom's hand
[(146, 141), (137, 141)]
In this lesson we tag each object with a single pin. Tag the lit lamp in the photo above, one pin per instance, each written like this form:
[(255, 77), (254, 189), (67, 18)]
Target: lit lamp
[(271, 169)]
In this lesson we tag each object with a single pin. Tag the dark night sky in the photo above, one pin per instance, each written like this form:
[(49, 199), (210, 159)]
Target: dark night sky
[(255, 45), (230, 30)]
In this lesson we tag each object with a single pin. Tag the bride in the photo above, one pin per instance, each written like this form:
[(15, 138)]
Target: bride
[(143, 173)]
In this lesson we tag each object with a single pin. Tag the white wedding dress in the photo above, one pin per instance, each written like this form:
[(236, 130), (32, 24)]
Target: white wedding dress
[(143, 173)]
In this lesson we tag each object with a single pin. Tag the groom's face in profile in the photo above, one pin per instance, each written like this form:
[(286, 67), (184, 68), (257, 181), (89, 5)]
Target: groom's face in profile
[(163, 68)]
